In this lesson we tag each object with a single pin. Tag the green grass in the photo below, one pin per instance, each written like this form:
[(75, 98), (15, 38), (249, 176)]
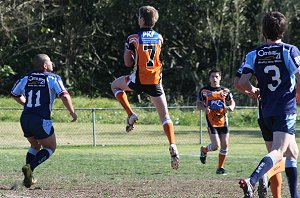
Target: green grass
[(126, 161), (99, 163), (123, 164), (78, 134), (74, 167)]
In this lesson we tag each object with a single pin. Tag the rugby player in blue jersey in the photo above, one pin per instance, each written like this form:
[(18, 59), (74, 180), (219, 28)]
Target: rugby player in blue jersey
[(276, 67), (36, 92), (275, 181)]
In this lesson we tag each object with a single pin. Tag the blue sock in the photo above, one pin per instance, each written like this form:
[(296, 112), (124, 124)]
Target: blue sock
[(291, 174), (40, 157), (264, 166), (31, 153)]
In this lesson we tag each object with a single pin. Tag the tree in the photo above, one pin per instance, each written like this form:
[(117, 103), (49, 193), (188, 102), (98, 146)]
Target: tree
[(85, 39)]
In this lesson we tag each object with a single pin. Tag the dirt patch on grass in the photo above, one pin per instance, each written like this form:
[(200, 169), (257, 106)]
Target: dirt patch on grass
[(171, 188)]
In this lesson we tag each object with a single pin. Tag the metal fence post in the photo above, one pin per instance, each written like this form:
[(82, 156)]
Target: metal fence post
[(200, 126), (94, 127)]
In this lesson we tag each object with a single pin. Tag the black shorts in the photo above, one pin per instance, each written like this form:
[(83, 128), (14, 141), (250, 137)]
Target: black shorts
[(35, 126), (152, 90), (217, 130)]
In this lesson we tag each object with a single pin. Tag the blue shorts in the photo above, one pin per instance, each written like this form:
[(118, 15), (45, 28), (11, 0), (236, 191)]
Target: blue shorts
[(283, 123), (266, 133), (36, 126)]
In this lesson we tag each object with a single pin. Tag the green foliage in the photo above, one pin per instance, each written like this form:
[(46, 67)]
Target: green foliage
[(85, 39), (9, 102), (243, 118), (111, 112), (86, 102), (6, 73)]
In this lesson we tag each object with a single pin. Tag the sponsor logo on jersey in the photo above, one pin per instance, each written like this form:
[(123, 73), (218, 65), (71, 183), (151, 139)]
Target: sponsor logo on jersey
[(34, 81), (269, 55), (208, 93), (216, 104), (148, 34)]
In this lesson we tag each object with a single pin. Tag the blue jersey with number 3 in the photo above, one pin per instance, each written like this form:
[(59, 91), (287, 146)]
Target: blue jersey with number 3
[(274, 66), (39, 89)]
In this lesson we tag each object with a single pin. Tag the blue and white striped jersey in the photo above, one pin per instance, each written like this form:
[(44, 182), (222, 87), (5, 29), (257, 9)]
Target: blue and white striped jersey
[(39, 89), (274, 66)]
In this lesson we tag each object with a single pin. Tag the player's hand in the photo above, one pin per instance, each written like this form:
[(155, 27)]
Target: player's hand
[(74, 116), (249, 94), (255, 93)]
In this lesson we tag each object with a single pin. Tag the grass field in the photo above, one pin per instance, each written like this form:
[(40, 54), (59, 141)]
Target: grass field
[(129, 171), (128, 165)]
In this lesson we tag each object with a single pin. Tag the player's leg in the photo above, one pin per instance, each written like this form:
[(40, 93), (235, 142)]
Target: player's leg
[(44, 133), (276, 180), (284, 129), (214, 140), (34, 145), (281, 141), (49, 146), (291, 167), (224, 138), (33, 150), (161, 106), (212, 146), (30, 156), (25, 121), (119, 86)]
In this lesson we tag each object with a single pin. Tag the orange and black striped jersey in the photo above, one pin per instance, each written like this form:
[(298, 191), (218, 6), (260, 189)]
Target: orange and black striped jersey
[(215, 98), (145, 46)]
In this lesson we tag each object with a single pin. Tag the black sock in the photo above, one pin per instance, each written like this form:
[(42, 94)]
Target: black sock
[(40, 157)]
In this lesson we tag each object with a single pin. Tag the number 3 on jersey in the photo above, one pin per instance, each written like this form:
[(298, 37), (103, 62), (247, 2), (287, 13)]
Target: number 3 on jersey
[(151, 49), (276, 77), (32, 97)]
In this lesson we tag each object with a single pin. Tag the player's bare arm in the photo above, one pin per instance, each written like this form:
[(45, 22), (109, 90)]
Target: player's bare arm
[(231, 106), (67, 101), (240, 89), (21, 100), (247, 86)]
